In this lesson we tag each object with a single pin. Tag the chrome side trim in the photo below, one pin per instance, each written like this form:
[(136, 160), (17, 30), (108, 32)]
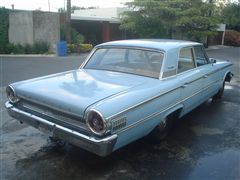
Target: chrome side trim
[(163, 110), (141, 103), (150, 99), (101, 146), (146, 118)]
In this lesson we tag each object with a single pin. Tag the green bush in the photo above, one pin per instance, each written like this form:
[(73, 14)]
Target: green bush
[(232, 38), (76, 37), (4, 20), (40, 47), (70, 48), (18, 49), (79, 48), (85, 47), (37, 48)]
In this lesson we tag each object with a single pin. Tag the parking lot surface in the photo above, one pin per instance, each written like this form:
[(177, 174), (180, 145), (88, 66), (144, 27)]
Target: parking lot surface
[(205, 144)]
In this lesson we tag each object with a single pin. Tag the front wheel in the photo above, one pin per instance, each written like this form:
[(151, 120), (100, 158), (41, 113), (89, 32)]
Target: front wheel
[(219, 94)]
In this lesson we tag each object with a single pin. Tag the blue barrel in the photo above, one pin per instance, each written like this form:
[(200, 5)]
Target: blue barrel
[(62, 48)]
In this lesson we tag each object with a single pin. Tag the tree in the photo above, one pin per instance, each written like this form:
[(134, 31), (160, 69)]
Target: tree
[(231, 16), (4, 18), (162, 18)]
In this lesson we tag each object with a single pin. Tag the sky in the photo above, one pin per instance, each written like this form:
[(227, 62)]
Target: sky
[(55, 4)]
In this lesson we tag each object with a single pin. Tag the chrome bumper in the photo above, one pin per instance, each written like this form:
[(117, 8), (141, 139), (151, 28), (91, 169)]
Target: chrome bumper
[(101, 147)]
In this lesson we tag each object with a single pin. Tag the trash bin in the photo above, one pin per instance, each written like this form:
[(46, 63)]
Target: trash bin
[(62, 48)]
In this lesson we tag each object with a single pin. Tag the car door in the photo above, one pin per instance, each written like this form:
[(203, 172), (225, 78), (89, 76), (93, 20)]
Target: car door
[(190, 78), (210, 78)]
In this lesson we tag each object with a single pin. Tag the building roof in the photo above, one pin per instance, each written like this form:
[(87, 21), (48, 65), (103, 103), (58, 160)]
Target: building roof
[(111, 15), (160, 44)]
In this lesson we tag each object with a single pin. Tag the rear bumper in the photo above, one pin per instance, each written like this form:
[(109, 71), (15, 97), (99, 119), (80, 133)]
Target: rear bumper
[(101, 147)]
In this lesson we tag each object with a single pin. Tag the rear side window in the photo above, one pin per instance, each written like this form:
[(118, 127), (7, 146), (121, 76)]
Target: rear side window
[(201, 58), (186, 60)]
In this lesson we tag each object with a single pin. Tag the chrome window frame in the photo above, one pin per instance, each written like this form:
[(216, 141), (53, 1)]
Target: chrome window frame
[(194, 60), (204, 53), (129, 47)]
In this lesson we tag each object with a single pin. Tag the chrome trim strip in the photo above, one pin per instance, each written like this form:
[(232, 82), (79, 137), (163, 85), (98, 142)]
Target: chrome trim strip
[(49, 106), (146, 119), (59, 117), (194, 80), (157, 96), (141, 103), (102, 147), (118, 47), (130, 47), (219, 69), (171, 106)]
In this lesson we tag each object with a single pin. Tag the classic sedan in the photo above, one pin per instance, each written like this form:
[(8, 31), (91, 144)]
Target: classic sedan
[(124, 91)]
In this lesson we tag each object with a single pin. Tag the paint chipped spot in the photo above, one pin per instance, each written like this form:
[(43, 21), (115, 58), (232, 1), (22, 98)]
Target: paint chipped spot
[(201, 131)]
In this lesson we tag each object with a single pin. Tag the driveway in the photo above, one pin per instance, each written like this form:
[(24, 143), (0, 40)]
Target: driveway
[(205, 144)]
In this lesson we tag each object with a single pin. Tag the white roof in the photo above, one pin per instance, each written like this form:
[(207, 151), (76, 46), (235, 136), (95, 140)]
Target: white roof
[(111, 15)]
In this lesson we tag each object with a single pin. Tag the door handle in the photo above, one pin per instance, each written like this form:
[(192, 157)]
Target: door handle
[(205, 76), (184, 85)]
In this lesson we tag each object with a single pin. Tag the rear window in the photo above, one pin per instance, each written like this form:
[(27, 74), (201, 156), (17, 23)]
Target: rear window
[(133, 61)]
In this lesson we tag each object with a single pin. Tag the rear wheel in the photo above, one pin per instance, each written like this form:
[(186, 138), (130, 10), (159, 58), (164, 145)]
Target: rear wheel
[(162, 130), (219, 94)]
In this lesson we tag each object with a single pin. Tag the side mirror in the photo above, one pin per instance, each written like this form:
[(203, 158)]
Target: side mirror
[(212, 60)]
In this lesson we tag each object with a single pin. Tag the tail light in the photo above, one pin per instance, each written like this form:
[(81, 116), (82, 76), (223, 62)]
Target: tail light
[(96, 123), (11, 95)]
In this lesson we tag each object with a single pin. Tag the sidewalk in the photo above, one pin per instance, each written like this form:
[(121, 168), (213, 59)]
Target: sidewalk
[(42, 55), (27, 55), (218, 47)]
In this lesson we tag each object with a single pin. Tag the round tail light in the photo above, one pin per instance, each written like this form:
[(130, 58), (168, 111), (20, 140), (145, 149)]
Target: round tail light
[(96, 123), (11, 95)]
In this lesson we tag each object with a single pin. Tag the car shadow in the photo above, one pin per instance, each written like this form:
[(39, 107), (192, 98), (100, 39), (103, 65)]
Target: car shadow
[(191, 139)]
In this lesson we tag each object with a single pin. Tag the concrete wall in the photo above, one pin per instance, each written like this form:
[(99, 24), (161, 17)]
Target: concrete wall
[(21, 28), (46, 28), (30, 27)]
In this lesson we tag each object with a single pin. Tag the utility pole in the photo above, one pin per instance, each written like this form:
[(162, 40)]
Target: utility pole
[(68, 22), (49, 5)]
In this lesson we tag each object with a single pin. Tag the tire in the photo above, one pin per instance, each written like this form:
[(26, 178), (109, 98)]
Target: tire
[(219, 94), (162, 130)]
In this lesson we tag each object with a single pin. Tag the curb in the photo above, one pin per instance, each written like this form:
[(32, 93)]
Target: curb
[(218, 47), (28, 55), (42, 55)]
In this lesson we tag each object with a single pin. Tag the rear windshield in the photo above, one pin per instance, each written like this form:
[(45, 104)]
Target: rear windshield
[(133, 61)]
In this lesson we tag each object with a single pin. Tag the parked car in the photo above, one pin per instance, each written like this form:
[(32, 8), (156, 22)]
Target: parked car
[(124, 91)]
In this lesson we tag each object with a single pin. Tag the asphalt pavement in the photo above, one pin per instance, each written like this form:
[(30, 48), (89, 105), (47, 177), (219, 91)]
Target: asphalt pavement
[(205, 144)]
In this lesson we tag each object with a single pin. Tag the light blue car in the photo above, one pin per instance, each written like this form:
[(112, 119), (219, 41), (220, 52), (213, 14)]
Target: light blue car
[(124, 91)]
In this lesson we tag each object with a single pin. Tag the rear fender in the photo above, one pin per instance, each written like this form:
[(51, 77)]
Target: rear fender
[(176, 109)]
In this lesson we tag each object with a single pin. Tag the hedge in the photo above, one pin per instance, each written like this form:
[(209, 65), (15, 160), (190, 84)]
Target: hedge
[(79, 48)]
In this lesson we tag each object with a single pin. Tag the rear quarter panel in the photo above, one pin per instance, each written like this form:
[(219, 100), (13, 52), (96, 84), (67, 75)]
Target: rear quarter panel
[(143, 107)]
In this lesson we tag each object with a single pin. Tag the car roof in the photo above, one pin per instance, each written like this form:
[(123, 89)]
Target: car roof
[(159, 44)]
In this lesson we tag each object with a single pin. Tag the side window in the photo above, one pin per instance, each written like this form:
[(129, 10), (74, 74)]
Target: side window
[(201, 58), (186, 60)]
